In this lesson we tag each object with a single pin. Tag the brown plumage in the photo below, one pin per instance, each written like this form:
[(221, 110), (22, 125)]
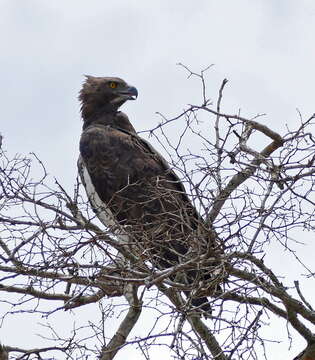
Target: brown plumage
[(133, 180), (308, 353)]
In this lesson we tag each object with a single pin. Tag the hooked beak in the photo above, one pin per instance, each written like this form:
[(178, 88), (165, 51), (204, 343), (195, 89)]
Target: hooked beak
[(130, 93)]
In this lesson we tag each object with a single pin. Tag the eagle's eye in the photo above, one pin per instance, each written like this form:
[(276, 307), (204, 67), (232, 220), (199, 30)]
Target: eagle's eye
[(113, 84)]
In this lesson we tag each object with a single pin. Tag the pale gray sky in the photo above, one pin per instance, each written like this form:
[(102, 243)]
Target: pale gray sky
[(265, 48)]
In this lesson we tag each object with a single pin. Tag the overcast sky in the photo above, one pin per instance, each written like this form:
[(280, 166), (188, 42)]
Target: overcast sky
[(265, 48)]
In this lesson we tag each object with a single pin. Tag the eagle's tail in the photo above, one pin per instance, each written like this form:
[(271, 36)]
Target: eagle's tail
[(203, 304)]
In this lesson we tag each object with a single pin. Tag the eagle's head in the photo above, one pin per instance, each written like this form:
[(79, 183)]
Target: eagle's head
[(107, 93)]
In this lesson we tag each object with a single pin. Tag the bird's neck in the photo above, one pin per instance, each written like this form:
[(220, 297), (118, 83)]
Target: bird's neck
[(92, 114), (108, 116)]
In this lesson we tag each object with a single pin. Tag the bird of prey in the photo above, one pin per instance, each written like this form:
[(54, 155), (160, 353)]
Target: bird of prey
[(132, 182)]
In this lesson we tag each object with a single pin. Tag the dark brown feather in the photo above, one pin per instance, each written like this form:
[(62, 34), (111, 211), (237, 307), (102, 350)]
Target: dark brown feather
[(135, 182)]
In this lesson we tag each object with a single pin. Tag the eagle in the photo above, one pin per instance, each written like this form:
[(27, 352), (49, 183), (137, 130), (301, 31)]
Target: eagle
[(129, 183)]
